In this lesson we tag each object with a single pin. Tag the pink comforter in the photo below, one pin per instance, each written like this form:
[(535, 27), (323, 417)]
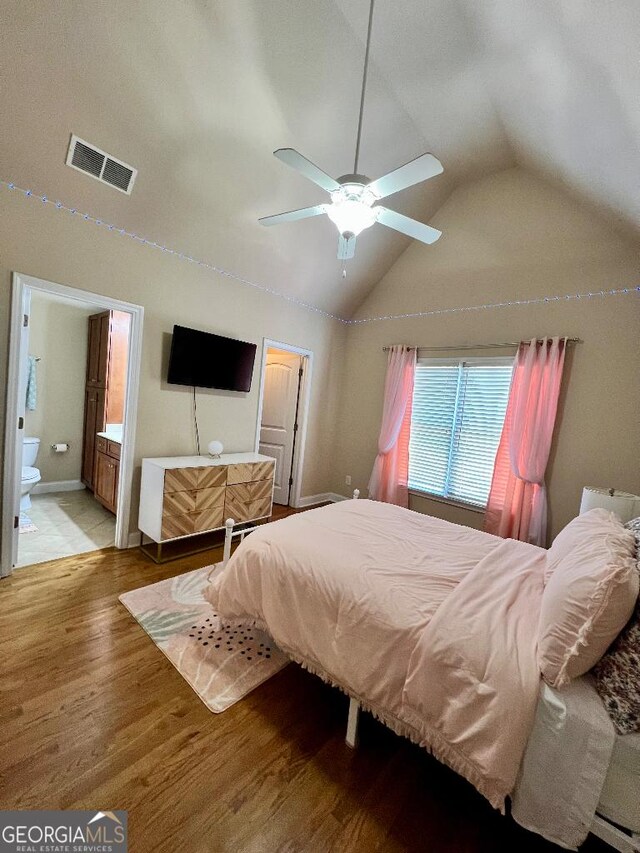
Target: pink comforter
[(431, 625)]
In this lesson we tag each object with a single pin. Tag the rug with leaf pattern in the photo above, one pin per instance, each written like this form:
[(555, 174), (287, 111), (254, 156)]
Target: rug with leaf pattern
[(222, 665)]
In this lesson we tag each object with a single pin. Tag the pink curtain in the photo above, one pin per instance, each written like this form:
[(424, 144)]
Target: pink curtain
[(517, 505), (391, 469)]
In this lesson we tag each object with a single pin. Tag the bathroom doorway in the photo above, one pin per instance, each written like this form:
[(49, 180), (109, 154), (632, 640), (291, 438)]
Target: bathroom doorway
[(74, 366)]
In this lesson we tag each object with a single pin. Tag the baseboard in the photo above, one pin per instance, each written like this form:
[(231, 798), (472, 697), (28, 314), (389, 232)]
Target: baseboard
[(134, 540), (57, 486), (327, 497)]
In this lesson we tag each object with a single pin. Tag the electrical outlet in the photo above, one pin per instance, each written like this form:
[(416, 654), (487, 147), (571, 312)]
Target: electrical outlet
[(347, 480)]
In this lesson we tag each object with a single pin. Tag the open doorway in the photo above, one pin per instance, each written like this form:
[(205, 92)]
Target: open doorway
[(283, 407), (76, 383), (72, 394)]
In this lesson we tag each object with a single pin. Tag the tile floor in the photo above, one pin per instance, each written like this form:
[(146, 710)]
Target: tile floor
[(68, 523)]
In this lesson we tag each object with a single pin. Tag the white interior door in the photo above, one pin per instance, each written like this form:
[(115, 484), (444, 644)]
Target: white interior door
[(22, 406), (278, 426)]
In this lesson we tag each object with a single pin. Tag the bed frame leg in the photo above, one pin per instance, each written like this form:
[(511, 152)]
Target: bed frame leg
[(614, 837), (352, 724), (228, 535)]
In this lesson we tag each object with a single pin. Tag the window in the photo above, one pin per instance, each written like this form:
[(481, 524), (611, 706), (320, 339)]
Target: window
[(456, 422)]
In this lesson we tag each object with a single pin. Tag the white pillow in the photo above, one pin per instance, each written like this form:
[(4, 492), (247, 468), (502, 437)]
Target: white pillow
[(591, 590)]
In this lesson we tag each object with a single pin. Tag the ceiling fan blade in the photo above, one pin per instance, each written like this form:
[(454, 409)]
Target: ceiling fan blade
[(411, 227), (423, 167), (346, 247), (306, 168), (292, 215)]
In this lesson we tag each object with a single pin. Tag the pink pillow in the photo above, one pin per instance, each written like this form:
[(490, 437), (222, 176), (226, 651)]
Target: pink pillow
[(591, 591)]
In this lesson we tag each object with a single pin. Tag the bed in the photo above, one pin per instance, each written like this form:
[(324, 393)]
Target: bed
[(433, 627)]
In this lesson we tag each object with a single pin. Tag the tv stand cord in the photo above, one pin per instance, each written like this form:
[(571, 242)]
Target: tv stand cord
[(195, 420)]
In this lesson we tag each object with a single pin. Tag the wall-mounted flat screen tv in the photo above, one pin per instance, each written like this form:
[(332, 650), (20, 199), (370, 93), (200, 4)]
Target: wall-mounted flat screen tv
[(205, 360)]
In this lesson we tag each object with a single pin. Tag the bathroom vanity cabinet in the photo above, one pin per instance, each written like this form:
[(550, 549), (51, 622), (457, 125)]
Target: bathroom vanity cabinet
[(106, 473), (107, 354)]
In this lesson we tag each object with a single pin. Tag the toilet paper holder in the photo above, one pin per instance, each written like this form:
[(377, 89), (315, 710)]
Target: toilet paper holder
[(61, 447)]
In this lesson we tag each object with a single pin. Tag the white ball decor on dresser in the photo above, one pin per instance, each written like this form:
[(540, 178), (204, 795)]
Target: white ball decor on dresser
[(215, 449)]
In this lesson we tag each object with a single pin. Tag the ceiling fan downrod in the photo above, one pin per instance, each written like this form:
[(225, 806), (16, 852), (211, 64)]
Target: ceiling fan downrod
[(364, 86)]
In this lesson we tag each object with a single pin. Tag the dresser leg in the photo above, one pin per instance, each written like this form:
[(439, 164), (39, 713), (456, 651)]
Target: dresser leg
[(151, 549)]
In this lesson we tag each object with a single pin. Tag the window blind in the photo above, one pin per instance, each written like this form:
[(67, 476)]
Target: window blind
[(456, 422)]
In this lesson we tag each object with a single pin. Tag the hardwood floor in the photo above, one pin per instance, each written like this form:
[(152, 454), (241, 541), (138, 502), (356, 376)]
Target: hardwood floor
[(94, 716)]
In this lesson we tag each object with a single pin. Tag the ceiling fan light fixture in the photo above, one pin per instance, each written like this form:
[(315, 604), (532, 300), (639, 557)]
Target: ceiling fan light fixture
[(351, 209)]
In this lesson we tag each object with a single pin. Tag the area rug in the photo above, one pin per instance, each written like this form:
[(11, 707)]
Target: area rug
[(26, 525), (222, 665)]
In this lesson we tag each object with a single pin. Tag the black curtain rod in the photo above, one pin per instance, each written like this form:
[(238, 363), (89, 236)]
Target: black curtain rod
[(484, 346)]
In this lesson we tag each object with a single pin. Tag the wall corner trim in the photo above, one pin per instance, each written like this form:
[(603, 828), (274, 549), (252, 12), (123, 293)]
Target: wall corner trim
[(135, 539)]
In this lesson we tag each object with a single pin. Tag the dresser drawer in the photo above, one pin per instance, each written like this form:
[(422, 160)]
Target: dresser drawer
[(261, 490), (192, 522), (246, 472), (208, 519), (238, 494), (101, 444), (209, 498), (260, 508), (181, 479), (178, 525), (237, 510), (191, 500), (113, 449), (241, 505), (246, 492), (186, 479), (178, 503), (212, 477)]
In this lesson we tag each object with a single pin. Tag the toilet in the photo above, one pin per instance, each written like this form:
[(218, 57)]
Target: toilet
[(30, 474)]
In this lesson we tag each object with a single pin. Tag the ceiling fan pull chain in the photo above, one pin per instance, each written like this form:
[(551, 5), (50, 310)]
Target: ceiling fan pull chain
[(364, 86)]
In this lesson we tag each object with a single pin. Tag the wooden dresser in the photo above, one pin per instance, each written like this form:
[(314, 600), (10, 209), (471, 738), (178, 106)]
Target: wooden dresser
[(186, 495)]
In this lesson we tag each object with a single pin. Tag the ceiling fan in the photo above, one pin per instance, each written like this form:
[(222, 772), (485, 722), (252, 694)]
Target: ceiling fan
[(353, 206)]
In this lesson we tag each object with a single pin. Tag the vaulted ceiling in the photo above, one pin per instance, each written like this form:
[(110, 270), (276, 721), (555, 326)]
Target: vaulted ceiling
[(196, 94)]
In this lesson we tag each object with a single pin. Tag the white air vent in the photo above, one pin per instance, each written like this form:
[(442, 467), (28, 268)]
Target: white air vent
[(92, 161)]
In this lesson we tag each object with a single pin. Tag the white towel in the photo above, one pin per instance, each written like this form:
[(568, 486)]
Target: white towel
[(32, 385)]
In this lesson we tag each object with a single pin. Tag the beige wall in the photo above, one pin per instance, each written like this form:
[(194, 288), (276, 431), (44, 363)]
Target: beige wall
[(58, 336), (508, 236), (512, 236), (37, 240)]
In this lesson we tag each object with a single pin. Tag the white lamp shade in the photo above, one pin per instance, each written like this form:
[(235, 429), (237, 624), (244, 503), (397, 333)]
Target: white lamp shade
[(626, 506), (351, 209), (215, 448), (351, 217)]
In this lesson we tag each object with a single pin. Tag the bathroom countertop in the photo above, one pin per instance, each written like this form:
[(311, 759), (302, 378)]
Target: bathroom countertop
[(113, 432)]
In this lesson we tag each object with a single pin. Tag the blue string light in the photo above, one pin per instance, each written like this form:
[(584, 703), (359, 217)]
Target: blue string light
[(436, 312), (538, 300), (58, 205)]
